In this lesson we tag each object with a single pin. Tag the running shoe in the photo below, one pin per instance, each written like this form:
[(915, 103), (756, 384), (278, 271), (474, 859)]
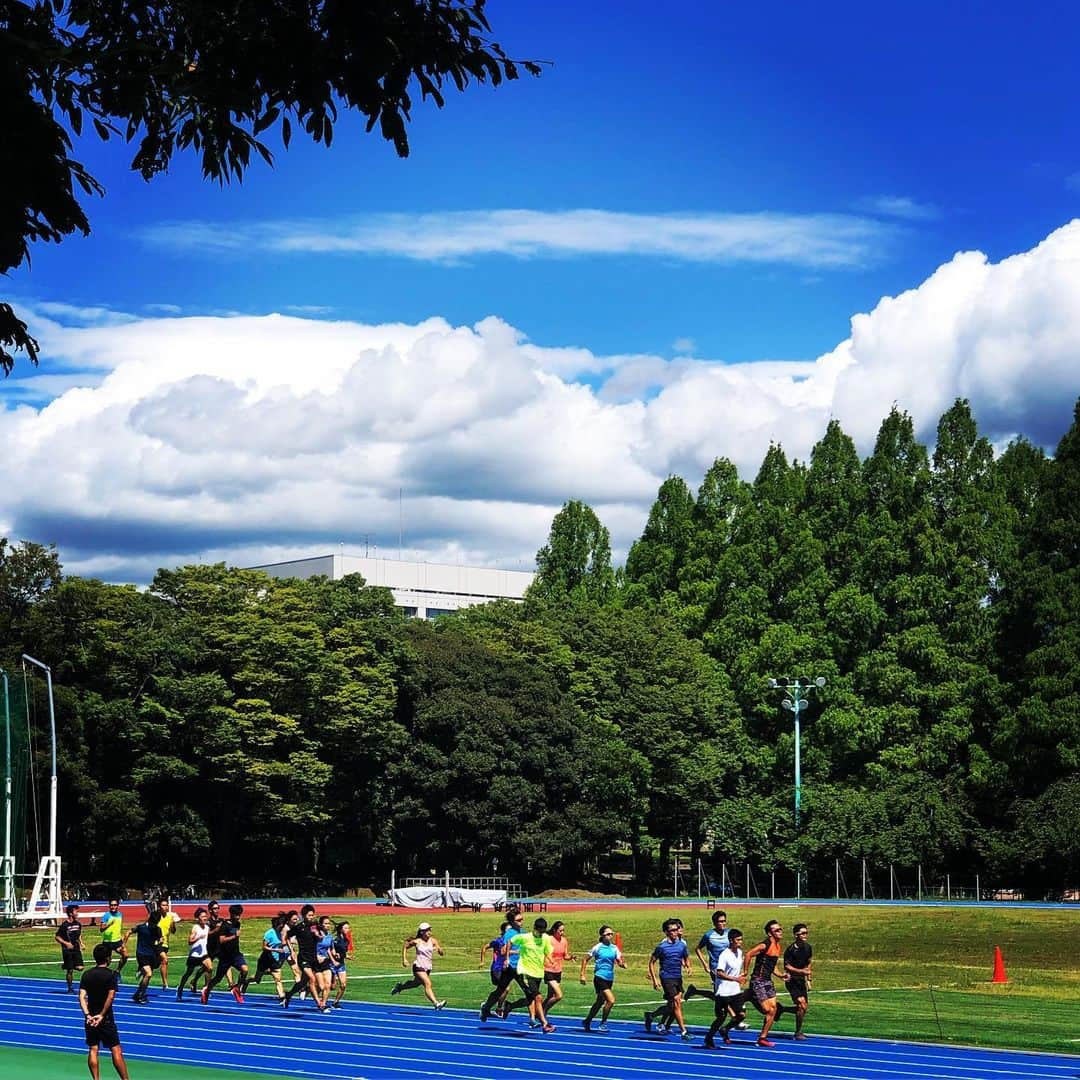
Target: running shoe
[(547, 1029), (484, 1013), (440, 1005), (204, 997), (709, 1044), (587, 1025), (691, 990), (742, 1025), (336, 1005), (179, 995), (238, 994), (648, 1021), (685, 1036), (603, 1027), (800, 1036), (727, 1039), (766, 1043), (396, 990)]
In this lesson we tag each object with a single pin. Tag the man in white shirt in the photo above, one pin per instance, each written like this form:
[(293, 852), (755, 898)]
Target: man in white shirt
[(729, 999)]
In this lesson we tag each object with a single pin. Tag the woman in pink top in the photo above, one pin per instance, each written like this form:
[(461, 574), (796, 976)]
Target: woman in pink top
[(426, 946), (553, 965)]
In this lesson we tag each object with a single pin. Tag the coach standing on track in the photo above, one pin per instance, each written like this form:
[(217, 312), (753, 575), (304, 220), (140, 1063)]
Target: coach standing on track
[(97, 989)]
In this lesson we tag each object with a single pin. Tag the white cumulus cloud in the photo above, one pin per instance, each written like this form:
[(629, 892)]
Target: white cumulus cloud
[(254, 438)]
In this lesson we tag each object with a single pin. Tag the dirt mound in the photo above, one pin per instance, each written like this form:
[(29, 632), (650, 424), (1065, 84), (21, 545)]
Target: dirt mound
[(575, 894)]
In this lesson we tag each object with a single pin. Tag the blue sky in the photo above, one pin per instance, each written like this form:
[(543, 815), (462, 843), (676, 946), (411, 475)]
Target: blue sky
[(756, 175)]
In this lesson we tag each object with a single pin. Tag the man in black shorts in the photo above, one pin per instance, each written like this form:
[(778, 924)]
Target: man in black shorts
[(97, 989), (69, 938), (147, 955), (213, 945), (305, 935), (229, 955), (798, 961)]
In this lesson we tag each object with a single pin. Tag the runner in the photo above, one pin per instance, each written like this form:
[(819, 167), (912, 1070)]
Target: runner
[(229, 955), (495, 947), (425, 946), (69, 937), (270, 958), (730, 1000), (553, 965), (112, 933), (605, 955), (496, 1000), (343, 951), (305, 933), (765, 954), (673, 958), (97, 991), (197, 958), (534, 950), (147, 955), (798, 965), (215, 923), (713, 942), (292, 918), (168, 922), (324, 958)]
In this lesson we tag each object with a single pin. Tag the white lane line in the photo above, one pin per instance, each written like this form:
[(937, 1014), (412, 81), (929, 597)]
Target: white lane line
[(552, 1053)]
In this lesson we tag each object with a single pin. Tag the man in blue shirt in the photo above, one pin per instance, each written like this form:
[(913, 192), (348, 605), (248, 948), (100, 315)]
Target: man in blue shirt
[(713, 942), (673, 958)]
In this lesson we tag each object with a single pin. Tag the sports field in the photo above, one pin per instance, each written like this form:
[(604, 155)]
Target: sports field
[(907, 973)]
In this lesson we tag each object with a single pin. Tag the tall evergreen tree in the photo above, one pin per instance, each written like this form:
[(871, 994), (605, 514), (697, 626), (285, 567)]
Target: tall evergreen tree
[(576, 560), (654, 561)]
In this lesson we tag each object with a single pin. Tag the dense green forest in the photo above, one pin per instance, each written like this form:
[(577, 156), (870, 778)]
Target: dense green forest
[(225, 725)]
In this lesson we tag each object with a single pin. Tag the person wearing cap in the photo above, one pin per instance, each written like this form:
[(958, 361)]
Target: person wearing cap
[(425, 947), (69, 937)]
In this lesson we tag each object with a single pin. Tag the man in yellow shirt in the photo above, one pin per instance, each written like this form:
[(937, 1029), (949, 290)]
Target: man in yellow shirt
[(533, 950), (167, 924), (112, 933)]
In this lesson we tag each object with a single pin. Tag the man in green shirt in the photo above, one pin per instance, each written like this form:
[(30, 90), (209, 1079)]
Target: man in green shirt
[(533, 950)]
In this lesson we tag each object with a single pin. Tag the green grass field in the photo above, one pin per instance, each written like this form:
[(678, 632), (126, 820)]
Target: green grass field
[(888, 972)]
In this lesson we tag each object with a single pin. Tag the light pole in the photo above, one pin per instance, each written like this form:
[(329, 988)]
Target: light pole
[(795, 695)]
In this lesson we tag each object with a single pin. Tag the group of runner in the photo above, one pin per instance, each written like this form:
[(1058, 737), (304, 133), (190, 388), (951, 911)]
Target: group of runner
[(315, 950), (535, 959)]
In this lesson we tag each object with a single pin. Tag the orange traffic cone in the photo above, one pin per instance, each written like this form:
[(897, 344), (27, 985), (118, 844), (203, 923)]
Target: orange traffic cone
[(999, 967)]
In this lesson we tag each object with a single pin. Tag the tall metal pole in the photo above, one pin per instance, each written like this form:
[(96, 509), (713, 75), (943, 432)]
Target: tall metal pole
[(8, 864), (52, 775), (795, 700), (798, 754)]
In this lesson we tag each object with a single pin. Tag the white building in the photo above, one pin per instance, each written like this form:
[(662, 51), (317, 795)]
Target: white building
[(421, 589)]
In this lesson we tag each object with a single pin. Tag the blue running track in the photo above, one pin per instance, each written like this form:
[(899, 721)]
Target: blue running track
[(401, 1041)]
